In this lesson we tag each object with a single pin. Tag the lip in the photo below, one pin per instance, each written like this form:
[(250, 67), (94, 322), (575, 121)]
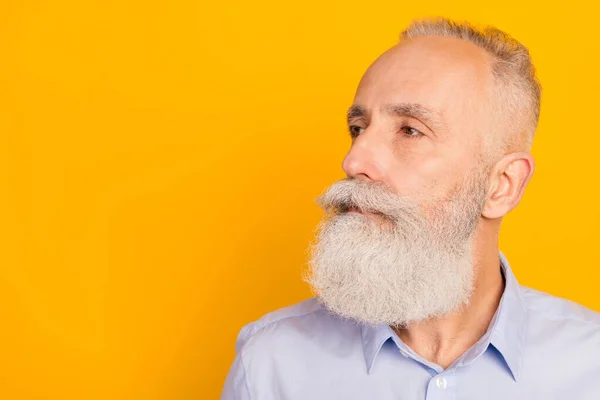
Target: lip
[(355, 210), (369, 214)]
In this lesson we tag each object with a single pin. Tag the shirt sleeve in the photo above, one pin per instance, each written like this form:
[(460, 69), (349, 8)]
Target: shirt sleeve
[(236, 387)]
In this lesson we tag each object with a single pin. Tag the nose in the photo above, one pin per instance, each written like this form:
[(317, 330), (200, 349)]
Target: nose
[(365, 158)]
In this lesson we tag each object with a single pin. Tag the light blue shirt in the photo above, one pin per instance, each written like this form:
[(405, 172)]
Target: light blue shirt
[(537, 347)]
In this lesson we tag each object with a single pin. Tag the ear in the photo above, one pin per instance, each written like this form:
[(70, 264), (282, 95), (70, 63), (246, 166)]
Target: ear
[(508, 181)]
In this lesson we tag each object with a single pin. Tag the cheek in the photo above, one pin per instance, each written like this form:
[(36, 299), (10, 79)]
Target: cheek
[(444, 174), (415, 177), (424, 177), (436, 176), (414, 163), (427, 169)]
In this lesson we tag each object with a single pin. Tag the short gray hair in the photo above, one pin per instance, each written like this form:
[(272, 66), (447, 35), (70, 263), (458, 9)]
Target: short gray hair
[(517, 91)]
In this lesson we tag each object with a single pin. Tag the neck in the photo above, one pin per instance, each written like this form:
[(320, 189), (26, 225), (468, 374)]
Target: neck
[(443, 340)]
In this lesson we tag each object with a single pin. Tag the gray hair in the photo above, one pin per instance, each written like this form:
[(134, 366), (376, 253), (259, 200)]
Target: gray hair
[(516, 92)]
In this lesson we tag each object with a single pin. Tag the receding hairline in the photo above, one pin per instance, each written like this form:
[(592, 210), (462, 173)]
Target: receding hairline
[(516, 92)]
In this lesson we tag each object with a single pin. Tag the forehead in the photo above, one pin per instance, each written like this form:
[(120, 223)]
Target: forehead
[(448, 75)]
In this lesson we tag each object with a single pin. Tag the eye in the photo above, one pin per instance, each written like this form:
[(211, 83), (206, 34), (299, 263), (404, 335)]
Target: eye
[(411, 132), (355, 130)]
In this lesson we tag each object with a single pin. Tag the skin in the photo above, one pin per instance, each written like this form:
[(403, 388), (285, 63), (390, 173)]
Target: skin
[(426, 155)]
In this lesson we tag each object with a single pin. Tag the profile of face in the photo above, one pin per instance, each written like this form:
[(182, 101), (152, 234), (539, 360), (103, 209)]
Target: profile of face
[(395, 245)]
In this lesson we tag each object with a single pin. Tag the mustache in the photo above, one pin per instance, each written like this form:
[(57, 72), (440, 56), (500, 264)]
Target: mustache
[(366, 196)]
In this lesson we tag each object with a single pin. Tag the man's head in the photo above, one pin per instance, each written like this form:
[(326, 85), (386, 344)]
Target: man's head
[(441, 126)]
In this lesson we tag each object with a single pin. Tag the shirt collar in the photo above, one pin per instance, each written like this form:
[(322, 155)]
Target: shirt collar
[(509, 330), (373, 338), (506, 333)]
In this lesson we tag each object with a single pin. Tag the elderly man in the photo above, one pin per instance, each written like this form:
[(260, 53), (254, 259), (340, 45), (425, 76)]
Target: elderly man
[(414, 299)]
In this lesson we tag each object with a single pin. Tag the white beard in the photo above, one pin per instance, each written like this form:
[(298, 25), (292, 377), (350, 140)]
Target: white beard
[(415, 266)]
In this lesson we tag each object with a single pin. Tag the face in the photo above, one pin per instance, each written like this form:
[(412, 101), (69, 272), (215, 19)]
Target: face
[(418, 117), (395, 244)]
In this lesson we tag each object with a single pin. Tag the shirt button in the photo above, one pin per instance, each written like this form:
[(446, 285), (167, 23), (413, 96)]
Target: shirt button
[(441, 383)]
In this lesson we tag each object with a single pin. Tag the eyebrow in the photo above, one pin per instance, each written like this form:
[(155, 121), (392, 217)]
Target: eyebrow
[(356, 112), (430, 118)]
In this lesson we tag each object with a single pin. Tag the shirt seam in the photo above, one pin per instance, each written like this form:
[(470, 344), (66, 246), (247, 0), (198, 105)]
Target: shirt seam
[(251, 336), (246, 384), (563, 317)]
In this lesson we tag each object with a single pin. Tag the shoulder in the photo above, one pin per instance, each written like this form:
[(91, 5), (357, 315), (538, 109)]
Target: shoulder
[(561, 325), (547, 306), (286, 315), (302, 326), (561, 332)]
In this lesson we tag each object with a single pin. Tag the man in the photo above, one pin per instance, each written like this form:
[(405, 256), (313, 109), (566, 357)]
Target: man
[(414, 299)]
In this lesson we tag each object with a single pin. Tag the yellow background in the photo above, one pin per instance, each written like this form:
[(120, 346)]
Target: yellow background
[(159, 161)]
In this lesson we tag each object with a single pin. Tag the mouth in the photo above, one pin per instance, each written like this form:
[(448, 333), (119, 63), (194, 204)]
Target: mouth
[(372, 214), (347, 209), (353, 209)]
